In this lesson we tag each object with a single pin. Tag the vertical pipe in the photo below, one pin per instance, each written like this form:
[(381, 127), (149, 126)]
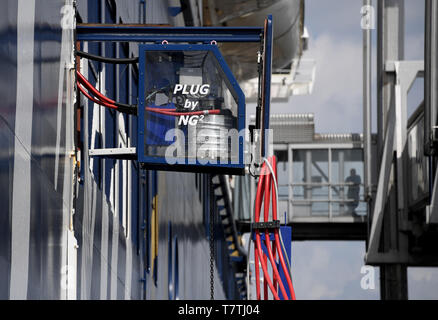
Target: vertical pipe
[(379, 92), (308, 179), (290, 209), (430, 74), (212, 10), (104, 233), (430, 87), (330, 181), (341, 178), (390, 48), (367, 106), (144, 11)]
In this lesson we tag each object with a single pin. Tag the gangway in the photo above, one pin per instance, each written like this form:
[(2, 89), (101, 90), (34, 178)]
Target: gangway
[(320, 181)]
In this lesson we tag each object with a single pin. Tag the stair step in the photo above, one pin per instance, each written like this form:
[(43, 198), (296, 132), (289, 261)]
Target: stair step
[(216, 185), (236, 259), (225, 221), (215, 180)]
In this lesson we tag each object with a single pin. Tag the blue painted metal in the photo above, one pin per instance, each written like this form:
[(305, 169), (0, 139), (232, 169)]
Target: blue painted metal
[(171, 34), (174, 11), (286, 234), (112, 33), (94, 220), (139, 33), (169, 38), (141, 112), (267, 73), (159, 124)]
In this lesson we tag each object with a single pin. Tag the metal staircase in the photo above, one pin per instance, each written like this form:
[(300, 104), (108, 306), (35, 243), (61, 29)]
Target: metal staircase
[(238, 256)]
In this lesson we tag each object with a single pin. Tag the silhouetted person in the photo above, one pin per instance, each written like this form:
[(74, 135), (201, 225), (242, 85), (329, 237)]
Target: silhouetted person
[(353, 191)]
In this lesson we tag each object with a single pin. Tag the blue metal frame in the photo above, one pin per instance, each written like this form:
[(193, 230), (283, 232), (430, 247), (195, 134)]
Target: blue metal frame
[(141, 113), (267, 73), (131, 33), (141, 33)]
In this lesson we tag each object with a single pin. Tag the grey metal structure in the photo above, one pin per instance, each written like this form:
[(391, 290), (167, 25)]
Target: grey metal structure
[(431, 97), (398, 202), (401, 233), (367, 105), (321, 193)]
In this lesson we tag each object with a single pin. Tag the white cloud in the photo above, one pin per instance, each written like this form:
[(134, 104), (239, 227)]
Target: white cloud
[(337, 97), (321, 291), (329, 270), (423, 283), (414, 47), (422, 274)]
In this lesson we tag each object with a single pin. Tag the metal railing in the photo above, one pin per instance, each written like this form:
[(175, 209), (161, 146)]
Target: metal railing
[(333, 200)]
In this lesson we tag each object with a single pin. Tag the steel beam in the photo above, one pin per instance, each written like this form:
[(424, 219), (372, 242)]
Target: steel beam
[(394, 282), (432, 214), (390, 47), (431, 102), (367, 108), (395, 140), (115, 153), (406, 73), (382, 189), (431, 80), (141, 33)]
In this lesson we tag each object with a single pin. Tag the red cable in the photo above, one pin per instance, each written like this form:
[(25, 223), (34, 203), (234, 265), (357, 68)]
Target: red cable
[(266, 182), (93, 99), (256, 252), (276, 274), (90, 87), (170, 112), (274, 253), (152, 109), (276, 235), (264, 266), (258, 245)]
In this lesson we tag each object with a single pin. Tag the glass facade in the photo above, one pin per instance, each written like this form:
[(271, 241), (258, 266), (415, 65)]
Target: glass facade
[(321, 182)]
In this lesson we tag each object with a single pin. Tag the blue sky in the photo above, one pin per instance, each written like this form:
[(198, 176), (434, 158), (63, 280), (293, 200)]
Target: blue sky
[(331, 270)]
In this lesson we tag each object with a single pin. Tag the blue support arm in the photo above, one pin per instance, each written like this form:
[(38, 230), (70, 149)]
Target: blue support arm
[(141, 33)]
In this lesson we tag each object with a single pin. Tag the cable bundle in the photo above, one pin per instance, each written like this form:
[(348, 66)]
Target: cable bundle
[(99, 98), (268, 178), (102, 100)]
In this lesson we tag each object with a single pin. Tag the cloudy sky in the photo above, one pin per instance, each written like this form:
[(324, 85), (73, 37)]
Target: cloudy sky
[(331, 270)]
